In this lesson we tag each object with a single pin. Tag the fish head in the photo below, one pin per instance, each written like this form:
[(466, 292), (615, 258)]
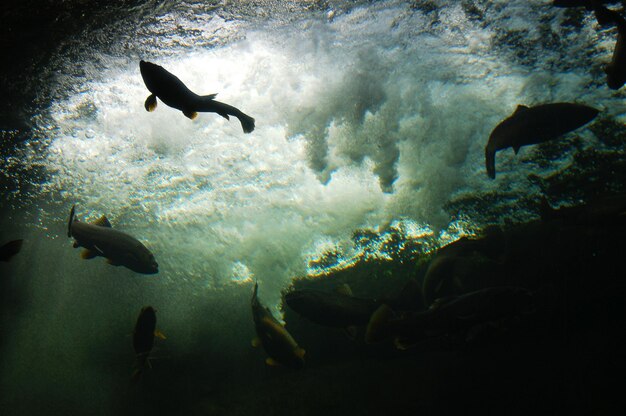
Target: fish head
[(142, 261)]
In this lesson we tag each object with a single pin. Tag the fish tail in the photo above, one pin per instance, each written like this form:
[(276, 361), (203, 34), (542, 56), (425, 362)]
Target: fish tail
[(490, 162), (376, 327), (247, 122), (69, 222)]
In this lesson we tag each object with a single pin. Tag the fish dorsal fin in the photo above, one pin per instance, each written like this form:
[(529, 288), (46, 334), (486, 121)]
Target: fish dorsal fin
[(516, 148), (103, 221), (209, 96), (520, 108), (344, 289)]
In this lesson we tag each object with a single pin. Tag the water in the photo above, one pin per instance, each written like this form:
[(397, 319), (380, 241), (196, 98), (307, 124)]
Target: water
[(371, 117)]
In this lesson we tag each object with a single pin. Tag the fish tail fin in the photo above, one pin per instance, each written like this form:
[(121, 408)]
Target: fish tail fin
[(10, 249), (376, 327), (490, 162), (69, 222), (247, 122)]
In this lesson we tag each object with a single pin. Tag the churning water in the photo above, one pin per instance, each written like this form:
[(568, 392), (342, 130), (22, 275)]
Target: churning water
[(369, 116)]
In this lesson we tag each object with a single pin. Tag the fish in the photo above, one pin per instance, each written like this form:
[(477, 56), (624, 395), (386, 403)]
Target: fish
[(339, 309), (533, 125), (447, 315), (616, 69), (277, 342), (119, 248), (607, 209), (10, 249), (174, 93), (143, 338)]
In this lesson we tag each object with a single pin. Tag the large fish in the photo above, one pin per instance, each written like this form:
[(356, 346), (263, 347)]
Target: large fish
[(533, 125), (274, 338), (120, 249), (449, 315), (143, 338), (10, 249), (174, 93), (337, 309), (579, 3)]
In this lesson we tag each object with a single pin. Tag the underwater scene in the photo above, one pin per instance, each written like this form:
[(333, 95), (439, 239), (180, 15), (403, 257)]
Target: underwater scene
[(314, 207)]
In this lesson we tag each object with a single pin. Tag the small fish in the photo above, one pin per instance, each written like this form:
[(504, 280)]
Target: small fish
[(174, 93), (10, 249), (120, 249), (143, 338), (276, 341), (533, 125), (616, 69), (449, 315)]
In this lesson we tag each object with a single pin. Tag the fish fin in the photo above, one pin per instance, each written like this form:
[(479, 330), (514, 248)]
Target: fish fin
[(546, 212), (159, 334), (520, 108), (113, 262), (490, 162), (87, 254), (190, 114), (10, 249), (103, 221), (300, 352), (225, 115), (210, 96), (516, 148), (151, 103), (75, 245), (256, 342), (271, 362), (247, 122), (351, 332), (71, 220), (375, 331), (344, 289)]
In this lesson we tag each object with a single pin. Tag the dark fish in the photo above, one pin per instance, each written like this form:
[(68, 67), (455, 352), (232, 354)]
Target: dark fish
[(276, 341), (449, 315), (120, 249), (608, 209), (10, 249), (334, 309), (171, 90), (533, 125), (143, 338), (616, 70)]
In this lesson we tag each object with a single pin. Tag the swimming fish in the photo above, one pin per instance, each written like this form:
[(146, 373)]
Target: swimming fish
[(338, 309), (10, 249), (533, 125), (174, 93), (276, 341), (616, 69), (120, 249), (449, 315), (143, 338), (606, 209)]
